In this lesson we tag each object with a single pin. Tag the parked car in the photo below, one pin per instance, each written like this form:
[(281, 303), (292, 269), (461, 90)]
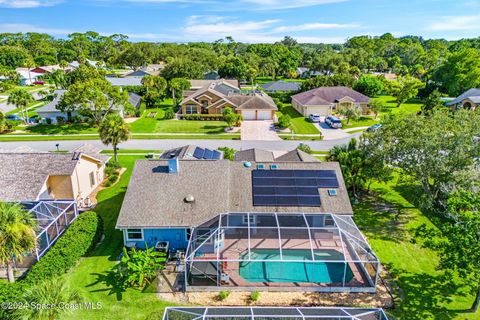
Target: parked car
[(333, 122), (314, 118), (13, 117), (375, 127), (39, 83)]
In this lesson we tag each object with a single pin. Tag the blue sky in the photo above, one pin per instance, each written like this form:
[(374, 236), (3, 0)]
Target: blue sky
[(329, 21)]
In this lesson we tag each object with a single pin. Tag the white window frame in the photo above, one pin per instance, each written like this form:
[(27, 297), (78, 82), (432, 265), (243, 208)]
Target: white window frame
[(253, 219), (189, 108), (127, 238)]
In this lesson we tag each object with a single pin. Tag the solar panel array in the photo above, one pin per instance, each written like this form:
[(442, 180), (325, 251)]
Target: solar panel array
[(206, 154), (294, 188)]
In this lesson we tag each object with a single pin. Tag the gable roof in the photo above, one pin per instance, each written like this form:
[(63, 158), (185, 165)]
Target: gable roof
[(125, 81), (134, 99), (257, 155), (328, 95), (252, 101), (156, 198), (297, 155), (281, 86), (197, 84), (472, 94)]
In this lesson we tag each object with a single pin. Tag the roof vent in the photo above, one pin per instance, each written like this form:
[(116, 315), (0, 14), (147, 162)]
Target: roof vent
[(332, 192), (247, 164), (189, 198)]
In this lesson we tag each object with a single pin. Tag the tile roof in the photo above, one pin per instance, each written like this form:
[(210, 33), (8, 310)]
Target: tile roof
[(469, 94), (155, 198), (328, 95)]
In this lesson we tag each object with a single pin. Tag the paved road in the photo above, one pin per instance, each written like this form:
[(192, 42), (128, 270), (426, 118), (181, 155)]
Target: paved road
[(162, 144)]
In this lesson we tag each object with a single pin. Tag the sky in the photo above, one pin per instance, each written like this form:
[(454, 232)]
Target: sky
[(251, 21)]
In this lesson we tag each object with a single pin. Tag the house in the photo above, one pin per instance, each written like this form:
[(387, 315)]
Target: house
[(144, 71), (125, 81), (97, 64), (278, 226), (260, 155), (28, 175), (305, 73), (326, 100), (47, 69), (281, 86), (27, 77), (51, 114), (214, 96), (273, 313), (469, 100), (191, 152)]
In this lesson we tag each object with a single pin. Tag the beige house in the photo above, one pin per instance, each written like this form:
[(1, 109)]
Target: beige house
[(216, 95), (326, 100), (29, 175), (469, 100)]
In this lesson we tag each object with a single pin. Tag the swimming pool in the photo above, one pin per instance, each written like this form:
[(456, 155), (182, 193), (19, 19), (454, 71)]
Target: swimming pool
[(284, 271)]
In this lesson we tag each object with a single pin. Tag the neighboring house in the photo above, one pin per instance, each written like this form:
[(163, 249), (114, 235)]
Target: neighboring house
[(278, 226), (281, 86), (28, 78), (50, 111), (35, 176), (215, 96), (47, 69), (260, 155), (97, 64), (191, 152), (125, 81), (325, 100), (212, 75), (199, 84), (273, 313), (305, 73), (469, 100), (142, 72)]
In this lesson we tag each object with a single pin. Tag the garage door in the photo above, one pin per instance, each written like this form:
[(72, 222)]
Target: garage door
[(248, 114), (264, 115)]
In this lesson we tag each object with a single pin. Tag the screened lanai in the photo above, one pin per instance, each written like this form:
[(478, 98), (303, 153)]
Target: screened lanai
[(270, 313), (316, 252)]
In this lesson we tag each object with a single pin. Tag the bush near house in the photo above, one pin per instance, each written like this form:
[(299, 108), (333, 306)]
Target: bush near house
[(79, 239), (217, 117), (111, 172)]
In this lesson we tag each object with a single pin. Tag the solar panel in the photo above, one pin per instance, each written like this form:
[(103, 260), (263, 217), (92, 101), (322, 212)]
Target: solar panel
[(208, 155), (216, 155), (198, 153), (291, 187)]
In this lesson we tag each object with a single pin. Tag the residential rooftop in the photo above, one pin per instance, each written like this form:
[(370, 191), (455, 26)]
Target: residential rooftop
[(156, 198), (328, 95)]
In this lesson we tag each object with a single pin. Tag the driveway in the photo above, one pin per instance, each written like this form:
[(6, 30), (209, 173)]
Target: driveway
[(258, 130), (331, 134)]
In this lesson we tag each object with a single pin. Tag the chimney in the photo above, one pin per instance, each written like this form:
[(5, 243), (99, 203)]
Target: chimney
[(173, 166)]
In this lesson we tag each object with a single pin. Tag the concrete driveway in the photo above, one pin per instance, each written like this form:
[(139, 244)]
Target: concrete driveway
[(329, 133), (258, 130)]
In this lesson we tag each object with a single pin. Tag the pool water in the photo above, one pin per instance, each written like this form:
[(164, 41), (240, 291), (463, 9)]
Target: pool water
[(284, 271)]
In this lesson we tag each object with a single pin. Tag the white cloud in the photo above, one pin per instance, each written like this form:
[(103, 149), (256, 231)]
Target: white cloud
[(27, 3), (286, 4), (455, 23), (315, 26)]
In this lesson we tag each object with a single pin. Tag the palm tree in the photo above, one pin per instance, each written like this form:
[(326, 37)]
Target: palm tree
[(49, 292), (17, 235), (113, 130), (21, 98)]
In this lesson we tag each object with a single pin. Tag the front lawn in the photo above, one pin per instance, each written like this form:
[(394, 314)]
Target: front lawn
[(389, 219), (299, 124), (78, 128), (362, 121), (94, 277)]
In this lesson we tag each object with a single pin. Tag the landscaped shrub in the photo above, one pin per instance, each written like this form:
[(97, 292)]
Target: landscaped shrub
[(138, 268), (222, 295), (305, 148), (113, 178), (217, 117), (61, 120), (169, 114), (113, 164), (284, 121), (228, 153), (254, 296), (80, 237)]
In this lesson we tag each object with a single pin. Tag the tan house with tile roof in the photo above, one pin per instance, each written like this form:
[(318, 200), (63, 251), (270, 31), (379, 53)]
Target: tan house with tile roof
[(214, 96)]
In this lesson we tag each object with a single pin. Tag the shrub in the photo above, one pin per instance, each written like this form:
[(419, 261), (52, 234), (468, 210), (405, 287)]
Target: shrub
[(109, 171), (138, 268), (48, 120), (79, 239), (60, 120), (255, 295), (217, 117), (305, 148), (222, 295), (284, 121), (113, 178), (228, 153), (114, 164), (169, 114)]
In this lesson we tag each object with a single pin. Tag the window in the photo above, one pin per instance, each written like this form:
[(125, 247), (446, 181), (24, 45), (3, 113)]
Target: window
[(134, 234), (253, 219), (204, 235), (191, 109), (92, 178), (205, 103), (188, 233)]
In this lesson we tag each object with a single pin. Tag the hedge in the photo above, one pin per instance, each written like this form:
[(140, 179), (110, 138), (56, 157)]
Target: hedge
[(218, 117), (78, 240)]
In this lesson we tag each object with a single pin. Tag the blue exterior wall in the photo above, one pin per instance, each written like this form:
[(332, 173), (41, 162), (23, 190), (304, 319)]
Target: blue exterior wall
[(177, 238)]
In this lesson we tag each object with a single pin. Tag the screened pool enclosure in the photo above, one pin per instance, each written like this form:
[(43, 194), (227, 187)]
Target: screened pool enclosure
[(274, 251), (270, 313)]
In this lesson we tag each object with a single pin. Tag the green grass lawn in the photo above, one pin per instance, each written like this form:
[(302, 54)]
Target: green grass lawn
[(262, 80), (411, 106), (94, 276), (108, 151), (299, 124), (61, 129), (363, 121), (389, 219)]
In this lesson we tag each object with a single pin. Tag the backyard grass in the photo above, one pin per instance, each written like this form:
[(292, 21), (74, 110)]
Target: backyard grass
[(94, 277), (411, 106), (299, 124), (262, 80), (389, 220)]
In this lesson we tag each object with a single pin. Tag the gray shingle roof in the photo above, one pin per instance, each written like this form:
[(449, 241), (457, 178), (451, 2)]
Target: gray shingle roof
[(156, 198), (469, 94), (182, 153), (252, 101), (297, 155), (134, 99), (257, 155), (327, 95), (281, 86), (52, 105), (127, 81)]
